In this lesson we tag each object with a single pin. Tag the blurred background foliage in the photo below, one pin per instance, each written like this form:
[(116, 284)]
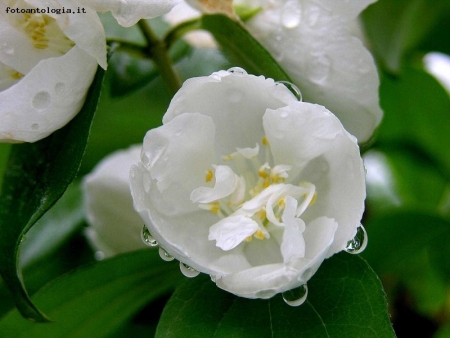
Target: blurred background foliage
[(408, 173)]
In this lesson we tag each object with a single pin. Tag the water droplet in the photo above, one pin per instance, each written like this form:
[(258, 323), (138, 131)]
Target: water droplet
[(297, 296), (60, 88), (237, 71), (99, 255), (320, 68), (165, 255), (188, 271), (292, 88), (147, 237), (35, 126), (41, 100), (235, 95), (7, 48), (358, 243), (291, 15)]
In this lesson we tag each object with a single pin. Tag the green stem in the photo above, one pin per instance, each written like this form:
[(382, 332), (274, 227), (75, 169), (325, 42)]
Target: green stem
[(178, 31), (158, 51), (130, 47)]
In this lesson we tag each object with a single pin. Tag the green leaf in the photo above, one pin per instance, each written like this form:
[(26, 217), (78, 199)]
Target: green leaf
[(416, 113), (36, 176), (345, 300), (397, 235), (395, 27), (97, 299), (242, 49)]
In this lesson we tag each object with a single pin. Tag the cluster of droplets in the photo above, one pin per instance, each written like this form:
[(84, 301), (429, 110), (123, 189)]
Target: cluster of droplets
[(149, 240)]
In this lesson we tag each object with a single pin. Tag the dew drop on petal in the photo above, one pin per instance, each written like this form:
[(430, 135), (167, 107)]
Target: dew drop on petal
[(292, 88), (147, 237), (237, 71), (188, 271), (358, 243), (291, 15), (60, 88), (41, 100), (165, 255), (99, 255), (297, 296)]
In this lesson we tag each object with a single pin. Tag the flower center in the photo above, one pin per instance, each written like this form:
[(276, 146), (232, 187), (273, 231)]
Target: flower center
[(257, 202)]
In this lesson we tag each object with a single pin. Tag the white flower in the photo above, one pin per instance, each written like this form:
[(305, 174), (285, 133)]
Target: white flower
[(129, 12), (247, 184), (316, 43), (47, 63), (114, 226)]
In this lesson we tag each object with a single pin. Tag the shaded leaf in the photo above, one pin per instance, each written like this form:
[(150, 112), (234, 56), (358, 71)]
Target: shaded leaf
[(98, 298), (36, 176), (242, 49), (345, 300)]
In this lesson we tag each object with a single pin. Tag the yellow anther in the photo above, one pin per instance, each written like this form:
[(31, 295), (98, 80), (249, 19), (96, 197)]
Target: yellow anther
[(214, 207), (249, 239), (227, 158), (16, 75), (281, 202), (209, 175), (266, 183), (259, 234), (278, 178), (313, 199), (261, 214), (263, 174), (265, 141)]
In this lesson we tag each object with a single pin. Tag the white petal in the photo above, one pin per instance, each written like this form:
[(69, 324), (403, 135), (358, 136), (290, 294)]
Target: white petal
[(47, 98), (231, 231), (129, 12), (114, 225), (236, 103), (293, 244), (226, 183), (330, 65), (177, 155)]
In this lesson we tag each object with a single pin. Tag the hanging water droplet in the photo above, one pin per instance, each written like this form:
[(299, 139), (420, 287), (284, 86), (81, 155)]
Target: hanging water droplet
[(292, 88), (188, 271), (60, 88), (237, 71), (7, 48), (147, 237), (358, 243), (99, 255), (291, 15), (297, 296), (41, 100), (165, 255)]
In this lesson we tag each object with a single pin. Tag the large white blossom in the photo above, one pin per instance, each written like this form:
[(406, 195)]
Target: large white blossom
[(114, 226), (247, 184), (316, 43), (47, 63)]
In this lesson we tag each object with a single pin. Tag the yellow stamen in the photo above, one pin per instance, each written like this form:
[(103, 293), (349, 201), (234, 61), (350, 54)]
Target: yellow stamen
[(209, 175), (313, 199), (265, 141), (263, 174), (261, 214), (249, 239), (16, 75), (259, 234), (214, 207), (281, 202), (266, 183)]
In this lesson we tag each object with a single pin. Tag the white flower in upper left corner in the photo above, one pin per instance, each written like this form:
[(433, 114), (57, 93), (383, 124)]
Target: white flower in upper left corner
[(47, 63)]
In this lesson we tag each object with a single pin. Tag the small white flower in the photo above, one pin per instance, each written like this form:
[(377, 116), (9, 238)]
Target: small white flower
[(47, 63), (248, 185), (114, 226), (129, 12)]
